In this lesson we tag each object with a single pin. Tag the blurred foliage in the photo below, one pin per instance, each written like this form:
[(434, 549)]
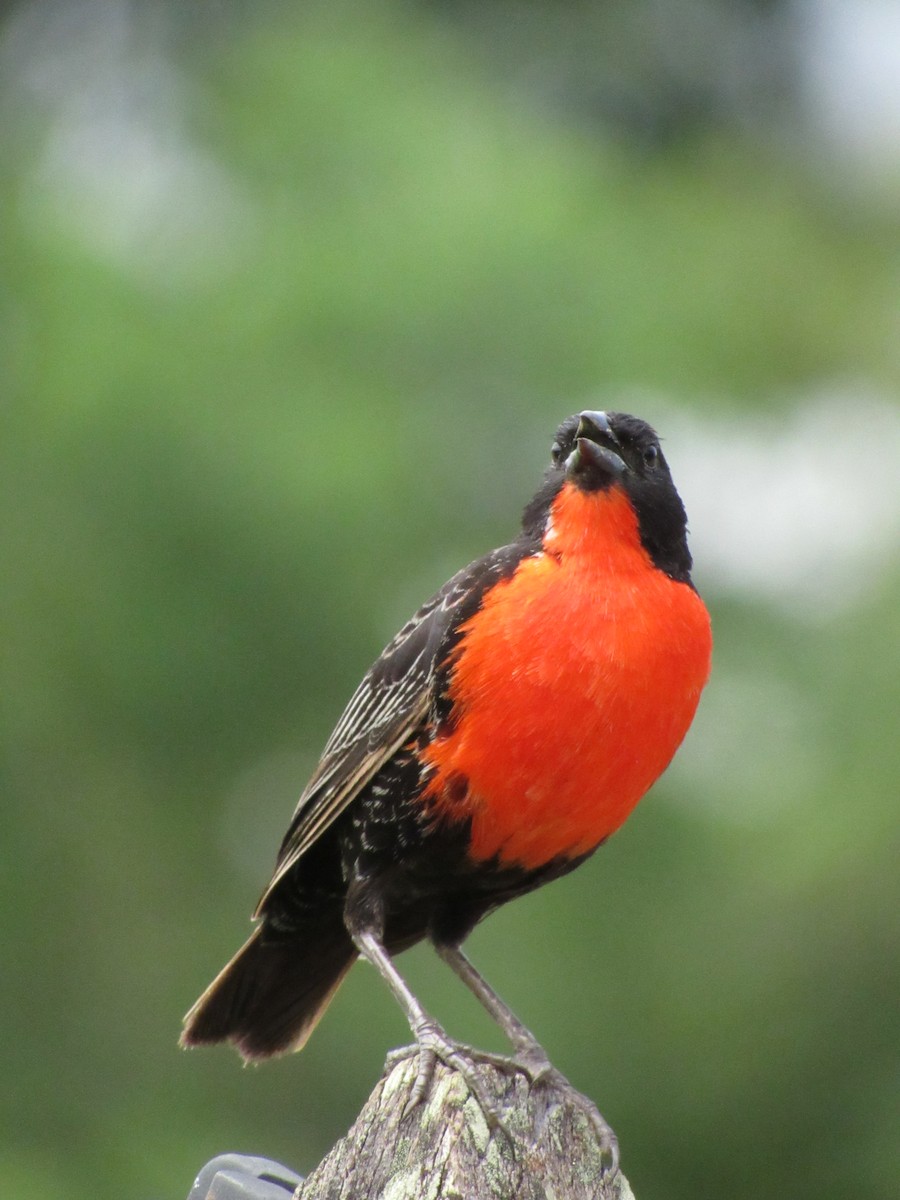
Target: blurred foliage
[(257, 405), (651, 72)]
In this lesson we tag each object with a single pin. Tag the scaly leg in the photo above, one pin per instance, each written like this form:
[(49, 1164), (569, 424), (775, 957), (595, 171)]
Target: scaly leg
[(530, 1054), (431, 1040)]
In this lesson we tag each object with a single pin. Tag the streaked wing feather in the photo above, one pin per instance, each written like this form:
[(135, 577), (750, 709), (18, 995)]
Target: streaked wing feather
[(331, 804), (390, 704)]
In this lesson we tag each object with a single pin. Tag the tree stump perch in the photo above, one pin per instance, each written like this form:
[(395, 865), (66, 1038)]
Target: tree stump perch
[(443, 1149)]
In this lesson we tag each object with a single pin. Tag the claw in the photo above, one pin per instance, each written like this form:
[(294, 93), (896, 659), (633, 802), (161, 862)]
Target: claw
[(433, 1044), (557, 1084), (531, 1061), (425, 1064)]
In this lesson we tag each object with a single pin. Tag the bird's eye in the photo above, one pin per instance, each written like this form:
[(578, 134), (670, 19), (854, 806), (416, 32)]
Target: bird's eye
[(651, 455), (555, 451)]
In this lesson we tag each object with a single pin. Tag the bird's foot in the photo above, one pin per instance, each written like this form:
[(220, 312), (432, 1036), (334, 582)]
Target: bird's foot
[(432, 1045), (531, 1061), (557, 1089)]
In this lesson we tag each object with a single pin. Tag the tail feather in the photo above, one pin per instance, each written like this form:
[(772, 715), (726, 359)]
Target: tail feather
[(271, 995)]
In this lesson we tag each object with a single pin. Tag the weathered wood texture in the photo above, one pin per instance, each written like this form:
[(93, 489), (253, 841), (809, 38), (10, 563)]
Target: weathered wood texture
[(443, 1149)]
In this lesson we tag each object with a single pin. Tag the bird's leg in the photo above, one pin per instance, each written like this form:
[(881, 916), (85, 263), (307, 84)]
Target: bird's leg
[(530, 1054), (530, 1058), (432, 1043)]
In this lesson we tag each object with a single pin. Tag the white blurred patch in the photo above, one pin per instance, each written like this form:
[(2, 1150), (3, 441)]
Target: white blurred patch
[(800, 507), (849, 53), (116, 165)]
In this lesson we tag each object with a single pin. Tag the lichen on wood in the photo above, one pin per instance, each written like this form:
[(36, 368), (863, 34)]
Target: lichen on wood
[(444, 1149)]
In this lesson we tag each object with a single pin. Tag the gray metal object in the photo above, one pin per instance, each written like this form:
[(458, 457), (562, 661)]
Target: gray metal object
[(244, 1177)]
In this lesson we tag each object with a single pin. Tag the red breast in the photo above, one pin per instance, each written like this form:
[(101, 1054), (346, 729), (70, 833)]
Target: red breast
[(573, 686)]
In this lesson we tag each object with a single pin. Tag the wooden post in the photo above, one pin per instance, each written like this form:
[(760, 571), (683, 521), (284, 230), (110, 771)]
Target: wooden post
[(443, 1149)]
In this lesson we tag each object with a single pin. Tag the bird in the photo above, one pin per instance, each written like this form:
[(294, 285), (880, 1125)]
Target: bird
[(504, 733)]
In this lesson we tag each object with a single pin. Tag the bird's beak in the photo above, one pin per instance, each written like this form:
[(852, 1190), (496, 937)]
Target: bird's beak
[(594, 457)]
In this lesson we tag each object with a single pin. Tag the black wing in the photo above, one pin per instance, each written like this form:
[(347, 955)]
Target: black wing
[(391, 703)]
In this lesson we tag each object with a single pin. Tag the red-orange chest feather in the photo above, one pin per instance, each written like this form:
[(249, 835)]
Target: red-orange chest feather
[(573, 686)]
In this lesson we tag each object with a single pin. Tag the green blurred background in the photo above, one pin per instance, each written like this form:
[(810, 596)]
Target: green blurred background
[(292, 300)]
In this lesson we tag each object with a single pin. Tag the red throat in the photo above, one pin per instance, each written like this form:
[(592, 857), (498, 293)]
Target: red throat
[(577, 679)]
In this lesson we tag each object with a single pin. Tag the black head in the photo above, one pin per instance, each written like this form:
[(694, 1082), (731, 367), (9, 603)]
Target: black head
[(599, 450)]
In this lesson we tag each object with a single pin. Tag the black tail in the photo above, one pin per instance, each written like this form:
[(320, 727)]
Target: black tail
[(270, 997)]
